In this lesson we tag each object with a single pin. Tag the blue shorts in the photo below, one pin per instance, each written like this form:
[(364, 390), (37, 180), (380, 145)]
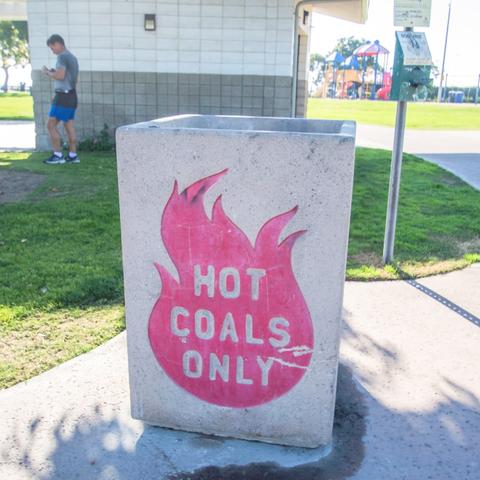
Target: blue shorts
[(63, 114), (63, 106)]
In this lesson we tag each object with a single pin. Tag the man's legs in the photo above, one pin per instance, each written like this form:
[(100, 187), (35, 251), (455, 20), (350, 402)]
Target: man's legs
[(54, 135), (57, 156), (72, 141), (72, 137)]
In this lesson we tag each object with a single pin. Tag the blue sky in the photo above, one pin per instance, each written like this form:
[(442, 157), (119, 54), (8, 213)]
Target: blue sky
[(463, 51)]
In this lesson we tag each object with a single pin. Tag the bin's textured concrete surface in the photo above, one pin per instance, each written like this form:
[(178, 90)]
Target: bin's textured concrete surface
[(408, 405), (276, 380)]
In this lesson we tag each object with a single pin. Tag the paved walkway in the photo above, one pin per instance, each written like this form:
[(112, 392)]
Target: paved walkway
[(408, 404), (17, 135), (455, 150)]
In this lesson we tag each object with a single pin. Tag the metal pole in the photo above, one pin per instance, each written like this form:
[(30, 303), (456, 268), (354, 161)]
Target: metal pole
[(363, 78), (478, 87), (334, 82), (444, 54), (445, 90), (394, 188), (372, 93)]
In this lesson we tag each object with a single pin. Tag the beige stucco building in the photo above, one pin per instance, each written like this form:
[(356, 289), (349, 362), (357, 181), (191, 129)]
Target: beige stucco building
[(243, 57)]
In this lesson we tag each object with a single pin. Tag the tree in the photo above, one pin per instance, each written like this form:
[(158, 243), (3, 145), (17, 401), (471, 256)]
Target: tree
[(13, 46), (317, 66), (316, 60), (346, 45)]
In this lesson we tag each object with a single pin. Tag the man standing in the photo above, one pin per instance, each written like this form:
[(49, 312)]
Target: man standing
[(64, 102)]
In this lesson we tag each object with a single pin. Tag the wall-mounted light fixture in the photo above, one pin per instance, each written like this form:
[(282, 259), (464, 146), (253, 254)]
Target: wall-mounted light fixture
[(150, 23), (306, 14)]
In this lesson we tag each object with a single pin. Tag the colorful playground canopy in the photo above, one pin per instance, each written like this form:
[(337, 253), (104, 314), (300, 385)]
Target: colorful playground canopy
[(370, 50), (335, 57), (351, 62)]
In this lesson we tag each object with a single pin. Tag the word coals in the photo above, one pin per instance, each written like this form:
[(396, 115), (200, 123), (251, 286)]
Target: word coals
[(203, 324)]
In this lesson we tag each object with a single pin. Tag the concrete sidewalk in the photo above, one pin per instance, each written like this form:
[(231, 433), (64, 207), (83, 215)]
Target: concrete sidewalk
[(421, 141), (17, 135), (408, 404)]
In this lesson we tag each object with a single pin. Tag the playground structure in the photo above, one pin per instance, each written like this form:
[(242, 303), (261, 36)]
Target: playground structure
[(352, 78)]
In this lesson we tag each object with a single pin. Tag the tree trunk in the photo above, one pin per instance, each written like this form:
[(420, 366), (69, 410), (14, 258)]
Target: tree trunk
[(5, 83)]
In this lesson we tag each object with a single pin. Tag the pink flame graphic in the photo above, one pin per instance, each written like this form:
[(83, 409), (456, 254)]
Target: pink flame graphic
[(243, 335)]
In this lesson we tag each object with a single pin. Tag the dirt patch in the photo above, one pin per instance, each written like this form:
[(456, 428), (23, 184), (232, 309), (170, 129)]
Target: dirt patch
[(469, 246), (420, 270), (452, 180), (368, 258), (15, 186)]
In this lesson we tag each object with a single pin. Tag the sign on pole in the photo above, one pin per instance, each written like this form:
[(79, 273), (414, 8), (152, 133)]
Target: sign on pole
[(412, 13), (414, 48), (411, 74)]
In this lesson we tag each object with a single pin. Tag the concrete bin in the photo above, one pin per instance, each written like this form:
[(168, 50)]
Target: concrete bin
[(234, 238)]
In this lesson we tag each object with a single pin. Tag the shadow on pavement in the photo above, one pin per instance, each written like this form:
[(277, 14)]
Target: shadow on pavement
[(97, 448)]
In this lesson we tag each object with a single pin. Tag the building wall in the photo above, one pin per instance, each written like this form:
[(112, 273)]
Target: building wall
[(302, 73), (206, 56), (303, 60)]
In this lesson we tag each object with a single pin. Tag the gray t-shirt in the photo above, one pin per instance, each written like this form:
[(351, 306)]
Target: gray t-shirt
[(69, 62)]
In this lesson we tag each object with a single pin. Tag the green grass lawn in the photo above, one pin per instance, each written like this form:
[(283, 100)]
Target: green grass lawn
[(438, 225), (61, 291), (16, 106), (60, 266), (419, 115), (19, 106)]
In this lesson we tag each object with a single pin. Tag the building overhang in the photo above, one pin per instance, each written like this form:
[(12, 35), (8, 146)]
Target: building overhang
[(13, 9), (352, 10)]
